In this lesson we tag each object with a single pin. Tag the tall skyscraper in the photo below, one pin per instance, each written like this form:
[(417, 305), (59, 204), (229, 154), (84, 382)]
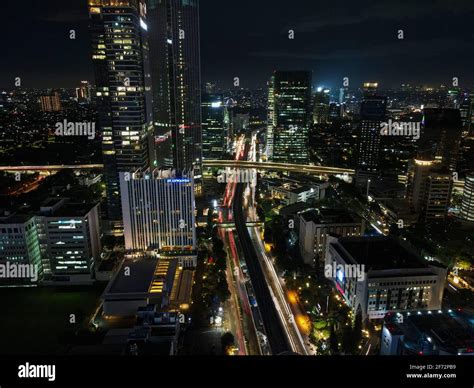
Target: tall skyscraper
[(158, 213), (372, 114), (120, 57), (291, 116), (429, 188), (321, 106), (467, 205), (83, 92), (213, 126), (176, 79), (441, 136)]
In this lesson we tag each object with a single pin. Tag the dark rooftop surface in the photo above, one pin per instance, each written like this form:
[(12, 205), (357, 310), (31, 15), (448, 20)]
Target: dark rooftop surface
[(380, 253), (329, 216), (448, 329), (294, 208), (73, 210), (141, 275)]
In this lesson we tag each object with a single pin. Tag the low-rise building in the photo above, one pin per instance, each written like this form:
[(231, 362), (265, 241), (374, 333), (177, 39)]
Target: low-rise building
[(62, 240), (432, 332), (316, 224), (390, 277)]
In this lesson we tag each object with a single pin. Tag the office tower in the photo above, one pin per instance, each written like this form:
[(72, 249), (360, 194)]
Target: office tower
[(390, 276), (343, 95), (440, 187), (417, 175), (321, 106), (292, 115), (465, 112), (315, 225), (441, 136), (467, 205), (271, 119), (120, 58), (213, 126), (50, 103), (372, 114), (335, 111), (19, 242), (69, 235), (176, 80), (429, 188), (83, 92), (62, 240), (159, 213), (471, 114), (453, 98)]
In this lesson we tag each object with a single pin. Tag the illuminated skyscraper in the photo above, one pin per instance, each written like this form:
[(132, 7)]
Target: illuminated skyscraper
[(291, 116), (120, 57), (213, 127), (158, 213), (441, 136), (372, 114), (467, 205), (321, 106), (83, 92), (176, 75), (429, 189)]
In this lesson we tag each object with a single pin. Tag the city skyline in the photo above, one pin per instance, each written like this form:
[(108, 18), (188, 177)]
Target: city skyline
[(204, 178)]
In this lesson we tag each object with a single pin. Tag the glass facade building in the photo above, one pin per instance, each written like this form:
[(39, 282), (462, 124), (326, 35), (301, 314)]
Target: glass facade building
[(123, 94), (291, 112), (176, 80), (213, 126)]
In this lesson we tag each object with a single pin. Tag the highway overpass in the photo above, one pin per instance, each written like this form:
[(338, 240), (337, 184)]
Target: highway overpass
[(242, 164)]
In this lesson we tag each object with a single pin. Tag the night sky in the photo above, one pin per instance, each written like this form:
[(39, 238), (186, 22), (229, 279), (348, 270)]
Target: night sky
[(249, 39)]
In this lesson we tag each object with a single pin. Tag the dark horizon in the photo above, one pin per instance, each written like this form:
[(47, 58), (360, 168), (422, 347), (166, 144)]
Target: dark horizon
[(250, 41)]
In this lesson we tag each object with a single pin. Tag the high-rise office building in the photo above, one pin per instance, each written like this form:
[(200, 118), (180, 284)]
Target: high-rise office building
[(213, 126), (291, 116), (372, 114), (321, 106), (176, 80), (441, 136), (429, 188), (19, 241), (271, 120), (69, 235), (159, 213), (50, 103), (120, 57), (467, 205), (84, 92)]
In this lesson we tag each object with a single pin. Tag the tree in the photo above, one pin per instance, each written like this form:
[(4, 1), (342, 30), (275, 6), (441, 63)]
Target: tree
[(227, 340), (348, 343), (358, 327), (333, 343)]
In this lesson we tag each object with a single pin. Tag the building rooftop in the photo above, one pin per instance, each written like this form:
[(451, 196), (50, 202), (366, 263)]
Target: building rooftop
[(451, 331), (329, 216), (293, 209), (141, 275), (380, 253), (15, 219), (72, 210)]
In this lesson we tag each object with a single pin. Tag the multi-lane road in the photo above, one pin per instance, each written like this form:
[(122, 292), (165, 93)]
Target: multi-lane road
[(276, 335)]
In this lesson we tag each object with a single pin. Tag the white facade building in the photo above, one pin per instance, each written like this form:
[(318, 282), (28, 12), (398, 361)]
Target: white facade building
[(159, 213)]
